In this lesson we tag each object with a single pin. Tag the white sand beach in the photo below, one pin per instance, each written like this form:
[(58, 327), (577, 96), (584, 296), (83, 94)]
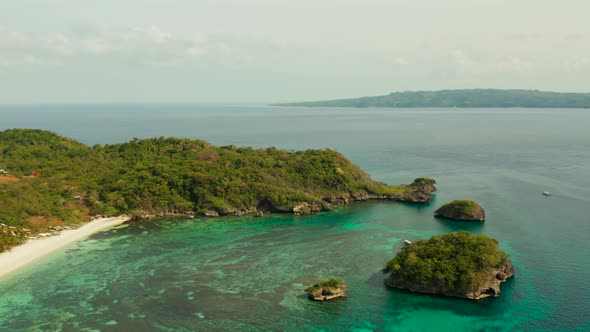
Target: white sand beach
[(32, 250)]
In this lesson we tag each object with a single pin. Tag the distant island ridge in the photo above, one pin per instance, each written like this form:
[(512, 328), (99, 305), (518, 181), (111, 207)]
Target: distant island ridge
[(465, 98)]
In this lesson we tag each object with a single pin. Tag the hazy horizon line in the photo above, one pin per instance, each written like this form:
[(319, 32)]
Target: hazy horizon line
[(258, 103)]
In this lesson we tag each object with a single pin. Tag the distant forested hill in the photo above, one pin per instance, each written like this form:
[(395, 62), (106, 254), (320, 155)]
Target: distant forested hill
[(461, 98)]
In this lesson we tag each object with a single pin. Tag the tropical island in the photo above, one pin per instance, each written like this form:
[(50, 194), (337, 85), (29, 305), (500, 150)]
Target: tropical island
[(464, 210), (52, 181), (327, 289), (467, 98), (457, 264)]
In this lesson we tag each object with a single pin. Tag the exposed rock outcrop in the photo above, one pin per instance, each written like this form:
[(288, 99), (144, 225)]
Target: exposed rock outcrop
[(349, 198), (144, 215), (326, 290), (211, 214), (306, 208), (417, 192)]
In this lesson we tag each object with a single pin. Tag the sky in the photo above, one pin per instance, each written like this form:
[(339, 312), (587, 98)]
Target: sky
[(262, 51)]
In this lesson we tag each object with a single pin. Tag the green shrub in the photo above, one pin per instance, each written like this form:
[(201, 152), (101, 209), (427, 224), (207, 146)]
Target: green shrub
[(325, 284)]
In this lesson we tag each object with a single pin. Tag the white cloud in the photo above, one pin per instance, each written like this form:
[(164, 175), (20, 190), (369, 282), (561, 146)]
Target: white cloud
[(12, 38), (578, 63), (28, 61), (201, 48), (198, 45), (575, 37), (200, 37), (490, 64), (196, 50), (149, 45), (522, 37), (464, 61), (401, 61), (223, 48), (154, 34), (515, 64), (96, 46), (60, 44)]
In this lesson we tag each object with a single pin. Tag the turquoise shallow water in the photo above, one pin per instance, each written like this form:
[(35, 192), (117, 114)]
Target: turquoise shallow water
[(248, 273)]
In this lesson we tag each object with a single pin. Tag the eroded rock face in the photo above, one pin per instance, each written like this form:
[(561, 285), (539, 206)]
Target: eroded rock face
[(306, 208), (418, 192), (347, 198), (211, 214), (465, 210), (492, 287), (326, 289), (299, 209), (327, 294), (143, 215)]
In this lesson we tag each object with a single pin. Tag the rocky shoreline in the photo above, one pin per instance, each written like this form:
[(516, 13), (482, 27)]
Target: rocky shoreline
[(418, 192)]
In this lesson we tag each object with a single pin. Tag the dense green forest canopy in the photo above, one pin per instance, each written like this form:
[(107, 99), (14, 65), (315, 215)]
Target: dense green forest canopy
[(462, 206), (457, 262), (461, 209), (54, 180), (461, 98)]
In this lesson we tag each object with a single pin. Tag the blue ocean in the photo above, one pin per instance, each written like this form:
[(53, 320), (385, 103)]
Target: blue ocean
[(248, 274)]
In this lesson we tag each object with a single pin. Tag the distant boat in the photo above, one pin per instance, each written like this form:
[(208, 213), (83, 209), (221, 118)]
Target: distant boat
[(546, 193), (407, 243)]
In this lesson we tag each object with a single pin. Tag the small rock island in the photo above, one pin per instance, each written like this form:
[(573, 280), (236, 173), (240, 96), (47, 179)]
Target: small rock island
[(327, 289), (457, 264), (464, 210)]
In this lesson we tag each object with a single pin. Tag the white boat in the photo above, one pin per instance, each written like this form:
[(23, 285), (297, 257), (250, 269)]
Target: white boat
[(407, 243), (546, 193)]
